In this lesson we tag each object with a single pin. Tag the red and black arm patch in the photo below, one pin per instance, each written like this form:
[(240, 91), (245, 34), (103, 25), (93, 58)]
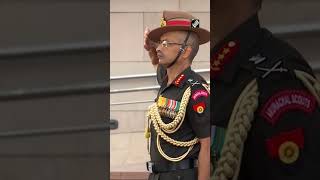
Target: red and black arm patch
[(287, 113), (199, 107), (285, 125), (200, 98), (286, 146), (199, 110)]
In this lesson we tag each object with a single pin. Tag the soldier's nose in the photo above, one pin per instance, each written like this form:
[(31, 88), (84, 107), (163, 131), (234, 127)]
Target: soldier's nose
[(158, 49)]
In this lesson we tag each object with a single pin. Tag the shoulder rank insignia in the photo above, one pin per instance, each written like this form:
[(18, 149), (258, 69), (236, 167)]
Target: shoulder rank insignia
[(179, 80), (224, 55)]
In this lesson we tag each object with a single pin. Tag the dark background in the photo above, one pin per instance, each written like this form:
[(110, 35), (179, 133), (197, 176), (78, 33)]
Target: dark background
[(54, 63), (298, 23)]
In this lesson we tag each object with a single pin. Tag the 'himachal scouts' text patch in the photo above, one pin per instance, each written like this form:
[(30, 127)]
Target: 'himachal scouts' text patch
[(199, 93), (285, 101)]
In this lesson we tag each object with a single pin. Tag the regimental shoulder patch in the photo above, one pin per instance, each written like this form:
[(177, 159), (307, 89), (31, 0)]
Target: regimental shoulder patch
[(199, 107), (178, 81), (286, 146), (285, 101), (199, 93), (225, 54)]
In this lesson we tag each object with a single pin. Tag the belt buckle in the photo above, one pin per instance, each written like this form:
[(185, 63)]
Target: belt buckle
[(149, 166)]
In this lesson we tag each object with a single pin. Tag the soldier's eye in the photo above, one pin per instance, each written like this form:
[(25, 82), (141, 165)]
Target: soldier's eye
[(164, 43)]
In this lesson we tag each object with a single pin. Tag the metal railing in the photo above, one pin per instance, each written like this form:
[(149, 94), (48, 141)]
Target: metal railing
[(146, 75), (103, 127), (80, 88), (62, 90), (131, 102), (134, 89), (53, 131), (55, 48)]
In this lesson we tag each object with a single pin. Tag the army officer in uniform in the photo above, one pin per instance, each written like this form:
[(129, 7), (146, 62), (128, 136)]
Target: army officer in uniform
[(178, 121)]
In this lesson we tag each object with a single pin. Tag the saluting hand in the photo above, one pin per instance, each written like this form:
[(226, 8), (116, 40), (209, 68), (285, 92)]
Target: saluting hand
[(150, 47)]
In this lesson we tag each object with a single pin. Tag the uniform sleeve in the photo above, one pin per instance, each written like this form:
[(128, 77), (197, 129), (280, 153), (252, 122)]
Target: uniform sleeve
[(284, 139), (198, 111)]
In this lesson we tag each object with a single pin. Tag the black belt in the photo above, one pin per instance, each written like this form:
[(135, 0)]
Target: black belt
[(161, 167)]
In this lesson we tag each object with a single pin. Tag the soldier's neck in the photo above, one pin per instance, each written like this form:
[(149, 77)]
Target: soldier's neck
[(175, 70)]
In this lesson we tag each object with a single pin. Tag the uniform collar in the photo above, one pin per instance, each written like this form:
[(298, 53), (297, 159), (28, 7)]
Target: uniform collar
[(229, 55), (181, 79)]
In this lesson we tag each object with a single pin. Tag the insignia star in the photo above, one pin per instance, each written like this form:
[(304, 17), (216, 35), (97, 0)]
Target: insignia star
[(226, 50), (221, 56), (215, 68), (216, 63)]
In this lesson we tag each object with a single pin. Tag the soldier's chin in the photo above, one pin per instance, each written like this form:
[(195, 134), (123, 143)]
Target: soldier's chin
[(163, 62)]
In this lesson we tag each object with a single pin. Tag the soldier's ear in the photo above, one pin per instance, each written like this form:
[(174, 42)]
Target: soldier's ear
[(187, 51)]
